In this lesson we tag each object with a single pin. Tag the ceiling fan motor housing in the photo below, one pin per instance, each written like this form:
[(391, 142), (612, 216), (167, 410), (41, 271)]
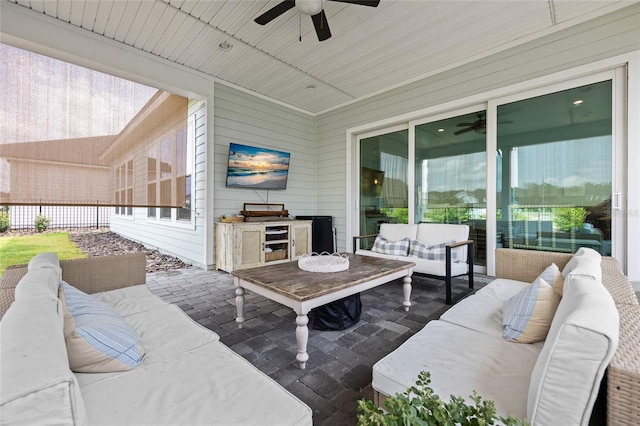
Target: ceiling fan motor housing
[(310, 7)]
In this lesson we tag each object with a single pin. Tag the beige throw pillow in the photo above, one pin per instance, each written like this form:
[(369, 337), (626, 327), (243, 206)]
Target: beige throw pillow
[(527, 316)]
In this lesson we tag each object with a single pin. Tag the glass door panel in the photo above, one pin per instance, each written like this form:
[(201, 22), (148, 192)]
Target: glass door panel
[(451, 175), (555, 170), (383, 182)]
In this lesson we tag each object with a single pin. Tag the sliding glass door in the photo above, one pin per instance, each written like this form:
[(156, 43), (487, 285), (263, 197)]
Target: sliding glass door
[(384, 192), (537, 170), (555, 153), (451, 174)]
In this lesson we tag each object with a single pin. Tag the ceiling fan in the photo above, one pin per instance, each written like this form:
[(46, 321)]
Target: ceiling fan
[(480, 126), (314, 8)]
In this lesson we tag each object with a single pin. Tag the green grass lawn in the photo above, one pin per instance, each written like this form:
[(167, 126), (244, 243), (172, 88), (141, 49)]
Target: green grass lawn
[(18, 250)]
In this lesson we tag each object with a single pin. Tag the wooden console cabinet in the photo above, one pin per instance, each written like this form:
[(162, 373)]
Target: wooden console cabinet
[(241, 245)]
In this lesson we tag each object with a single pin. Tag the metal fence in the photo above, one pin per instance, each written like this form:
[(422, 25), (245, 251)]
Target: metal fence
[(62, 217)]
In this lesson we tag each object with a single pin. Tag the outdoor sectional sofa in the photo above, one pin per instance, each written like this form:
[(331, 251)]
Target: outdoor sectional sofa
[(184, 374), (556, 381), (439, 250)]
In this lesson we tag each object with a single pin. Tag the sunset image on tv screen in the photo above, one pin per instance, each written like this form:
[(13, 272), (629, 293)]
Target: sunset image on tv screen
[(260, 168)]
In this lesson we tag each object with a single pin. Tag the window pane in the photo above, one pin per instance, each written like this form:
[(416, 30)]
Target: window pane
[(185, 213), (556, 153), (166, 158), (451, 175), (383, 186)]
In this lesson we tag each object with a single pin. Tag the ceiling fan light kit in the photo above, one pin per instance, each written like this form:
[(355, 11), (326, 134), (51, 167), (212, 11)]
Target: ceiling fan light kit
[(314, 8)]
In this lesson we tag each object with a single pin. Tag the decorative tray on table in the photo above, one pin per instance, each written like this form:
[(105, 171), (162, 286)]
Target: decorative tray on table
[(323, 262)]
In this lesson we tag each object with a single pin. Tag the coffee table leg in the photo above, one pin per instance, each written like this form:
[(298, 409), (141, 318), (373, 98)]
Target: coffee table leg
[(302, 337), (406, 289), (239, 305)]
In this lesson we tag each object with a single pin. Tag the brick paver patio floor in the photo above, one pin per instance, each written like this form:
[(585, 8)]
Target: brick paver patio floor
[(338, 373)]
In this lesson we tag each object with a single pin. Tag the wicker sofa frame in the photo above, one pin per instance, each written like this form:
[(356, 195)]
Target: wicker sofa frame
[(91, 275), (623, 373)]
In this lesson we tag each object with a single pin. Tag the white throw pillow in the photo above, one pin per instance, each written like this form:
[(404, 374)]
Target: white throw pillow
[(396, 248), (527, 316)]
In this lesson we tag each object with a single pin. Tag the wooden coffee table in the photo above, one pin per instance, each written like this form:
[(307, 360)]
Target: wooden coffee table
[(302, 291)]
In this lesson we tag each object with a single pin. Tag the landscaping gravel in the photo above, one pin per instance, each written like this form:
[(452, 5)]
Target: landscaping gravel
[(101, 243)]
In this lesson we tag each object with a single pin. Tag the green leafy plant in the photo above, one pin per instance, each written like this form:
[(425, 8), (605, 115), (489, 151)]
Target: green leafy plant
[(448, 215), (568, 218), (400, 214), (420, 405), (42, 223), (5, 223)]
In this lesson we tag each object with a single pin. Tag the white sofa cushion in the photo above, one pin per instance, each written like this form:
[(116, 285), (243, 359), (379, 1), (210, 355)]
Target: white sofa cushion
[(45, 260), (438, 233), (164, 329), (527, 316), (435, 267), (98, 339), (42, 281), (585, 262), (482, 311), (398, 231), (206, 385), (36, 380), (460, 360), (581, 341)]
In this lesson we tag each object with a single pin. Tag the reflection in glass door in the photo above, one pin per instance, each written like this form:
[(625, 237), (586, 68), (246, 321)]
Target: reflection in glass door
[(383, 182), (451, 175), (555, 151)]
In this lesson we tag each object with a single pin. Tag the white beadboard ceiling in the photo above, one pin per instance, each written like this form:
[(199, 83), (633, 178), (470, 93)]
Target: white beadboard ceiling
[(371, 50)]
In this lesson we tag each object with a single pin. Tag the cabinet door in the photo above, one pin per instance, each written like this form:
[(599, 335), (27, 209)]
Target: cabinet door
[(249, 247), (300, 240)]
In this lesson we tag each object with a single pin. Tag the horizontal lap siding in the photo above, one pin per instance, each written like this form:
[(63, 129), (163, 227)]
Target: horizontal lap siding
[(608, 36), (245, 119)]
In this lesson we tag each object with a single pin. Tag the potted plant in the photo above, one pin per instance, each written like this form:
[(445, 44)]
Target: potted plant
[(420, 405)]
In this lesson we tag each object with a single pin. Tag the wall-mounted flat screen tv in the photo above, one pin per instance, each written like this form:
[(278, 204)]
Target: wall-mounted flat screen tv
[(258, 168)]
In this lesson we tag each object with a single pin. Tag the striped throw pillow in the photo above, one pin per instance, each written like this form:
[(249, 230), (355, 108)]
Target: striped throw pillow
[(527, 316), (98, 339)]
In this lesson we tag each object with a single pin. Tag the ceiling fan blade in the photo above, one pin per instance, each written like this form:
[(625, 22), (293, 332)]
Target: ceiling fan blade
[(322, 26), (372, 3), (275, 11), (459, 132)]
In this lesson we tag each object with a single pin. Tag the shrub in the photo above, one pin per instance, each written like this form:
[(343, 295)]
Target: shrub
[(42, 223), (5, 223), (419, 405), (568, 218)]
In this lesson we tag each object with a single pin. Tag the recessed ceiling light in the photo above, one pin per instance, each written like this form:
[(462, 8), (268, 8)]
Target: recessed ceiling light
[(311, 87), (225, 46), (578, 102), (441, 130)]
